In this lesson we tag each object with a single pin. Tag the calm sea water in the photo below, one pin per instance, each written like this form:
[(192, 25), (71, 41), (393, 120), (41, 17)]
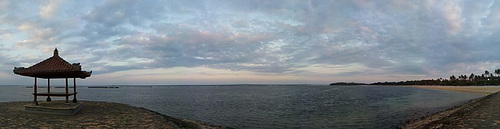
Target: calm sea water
[(275, 106)]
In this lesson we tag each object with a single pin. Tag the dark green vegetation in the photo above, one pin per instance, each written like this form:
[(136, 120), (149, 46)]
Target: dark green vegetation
[(487, 78)]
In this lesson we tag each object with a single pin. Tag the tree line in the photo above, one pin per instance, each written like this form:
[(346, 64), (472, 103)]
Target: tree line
[(486, 78)]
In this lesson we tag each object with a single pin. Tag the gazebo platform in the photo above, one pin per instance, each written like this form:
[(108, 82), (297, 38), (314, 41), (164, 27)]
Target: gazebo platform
[(54, 107)]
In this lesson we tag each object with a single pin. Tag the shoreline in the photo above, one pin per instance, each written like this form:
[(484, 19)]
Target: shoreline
[(187, 123), (484, 90), (95, 114), (477, 113)]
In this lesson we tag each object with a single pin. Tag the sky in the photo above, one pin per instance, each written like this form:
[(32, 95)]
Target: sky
[(252, 41)]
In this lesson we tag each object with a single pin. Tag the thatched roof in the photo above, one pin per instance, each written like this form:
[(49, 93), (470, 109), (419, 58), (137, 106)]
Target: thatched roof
[(53, 67)]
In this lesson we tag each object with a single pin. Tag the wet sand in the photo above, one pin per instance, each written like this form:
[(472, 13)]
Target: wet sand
[(485, 90), (482, 112)]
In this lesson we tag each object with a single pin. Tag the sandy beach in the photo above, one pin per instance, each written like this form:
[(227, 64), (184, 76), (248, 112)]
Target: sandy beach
[(485, 90)]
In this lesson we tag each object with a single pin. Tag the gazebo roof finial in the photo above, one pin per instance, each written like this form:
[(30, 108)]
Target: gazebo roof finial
[(56, 52)]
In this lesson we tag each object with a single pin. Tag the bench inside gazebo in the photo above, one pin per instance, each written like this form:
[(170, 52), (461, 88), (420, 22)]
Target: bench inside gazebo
[(53, 68)]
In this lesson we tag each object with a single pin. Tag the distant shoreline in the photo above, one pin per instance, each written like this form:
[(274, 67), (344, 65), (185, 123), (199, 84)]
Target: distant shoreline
[(103, 87), (485, 90)]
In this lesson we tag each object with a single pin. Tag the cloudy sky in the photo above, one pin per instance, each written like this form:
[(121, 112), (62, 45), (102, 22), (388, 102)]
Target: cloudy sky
[(252, 41)]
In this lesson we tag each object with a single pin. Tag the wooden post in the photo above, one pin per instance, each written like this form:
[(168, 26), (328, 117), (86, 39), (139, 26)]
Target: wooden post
[(67, 90), (48, 90), (74, 91), (35, 94)]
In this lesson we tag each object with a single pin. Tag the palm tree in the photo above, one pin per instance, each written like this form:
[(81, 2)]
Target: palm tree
[(452, 78), (471, 77), (487, 73), (498, 73)]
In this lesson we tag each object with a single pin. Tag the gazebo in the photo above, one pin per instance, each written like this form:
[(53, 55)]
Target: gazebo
[(54, 67)]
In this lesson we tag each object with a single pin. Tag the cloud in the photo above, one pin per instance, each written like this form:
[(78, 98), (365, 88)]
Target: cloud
[(393, 39), (190, 48), (115, 12), (49, 9)]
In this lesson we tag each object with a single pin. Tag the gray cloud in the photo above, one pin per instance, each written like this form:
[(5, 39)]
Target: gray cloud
[(277, 37)]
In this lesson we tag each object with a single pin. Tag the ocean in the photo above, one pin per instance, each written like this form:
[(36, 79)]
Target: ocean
[(273, 107)]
